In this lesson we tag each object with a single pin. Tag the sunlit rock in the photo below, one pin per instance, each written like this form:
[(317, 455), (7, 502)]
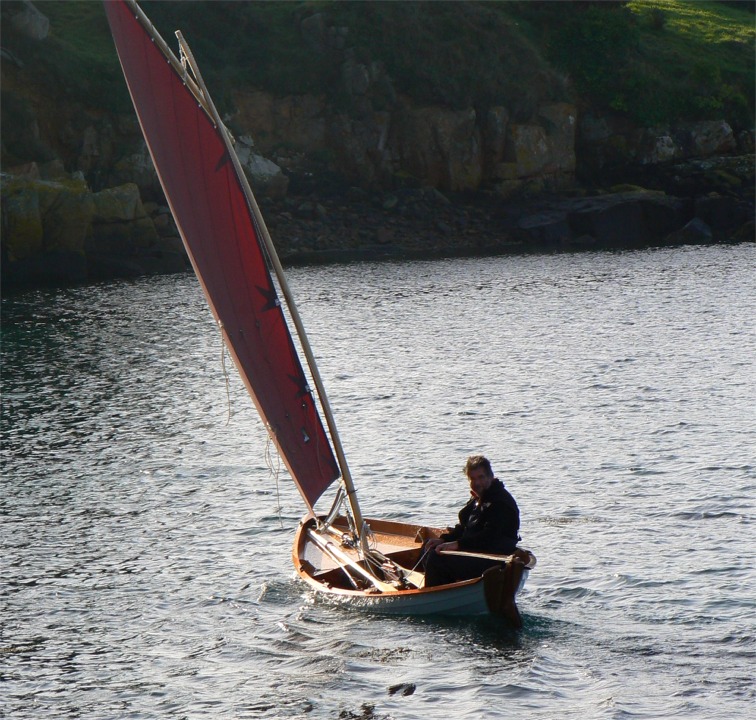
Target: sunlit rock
[(265, 177)]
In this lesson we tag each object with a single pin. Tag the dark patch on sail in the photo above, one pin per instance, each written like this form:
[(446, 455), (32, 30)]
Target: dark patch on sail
[(271, 297), (224, 160), (301, 383)]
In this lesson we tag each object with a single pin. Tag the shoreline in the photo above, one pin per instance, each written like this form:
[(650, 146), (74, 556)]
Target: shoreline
[(336, 225)]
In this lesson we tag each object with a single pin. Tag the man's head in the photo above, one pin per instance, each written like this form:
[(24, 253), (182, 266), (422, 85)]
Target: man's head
[(479, 473)]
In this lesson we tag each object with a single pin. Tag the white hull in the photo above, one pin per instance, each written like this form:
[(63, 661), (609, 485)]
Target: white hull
[(458, 600)]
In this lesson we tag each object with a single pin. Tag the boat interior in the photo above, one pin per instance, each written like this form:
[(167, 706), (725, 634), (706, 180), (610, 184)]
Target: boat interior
[(335, 562), (331, 559)]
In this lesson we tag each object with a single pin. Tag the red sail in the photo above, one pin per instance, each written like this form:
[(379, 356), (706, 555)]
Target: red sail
[(220, 234)]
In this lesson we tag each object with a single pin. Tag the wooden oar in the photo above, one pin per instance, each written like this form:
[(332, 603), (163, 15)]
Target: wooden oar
[(328, 547), (411, 576)]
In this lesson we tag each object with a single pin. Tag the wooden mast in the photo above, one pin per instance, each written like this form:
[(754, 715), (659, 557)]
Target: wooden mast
[(207, 103)]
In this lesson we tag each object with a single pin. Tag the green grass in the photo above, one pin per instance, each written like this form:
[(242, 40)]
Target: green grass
[(699, 23), (698, 60), (656, 61)]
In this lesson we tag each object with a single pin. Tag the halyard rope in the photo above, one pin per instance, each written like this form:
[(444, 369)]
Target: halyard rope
[(274, 471)]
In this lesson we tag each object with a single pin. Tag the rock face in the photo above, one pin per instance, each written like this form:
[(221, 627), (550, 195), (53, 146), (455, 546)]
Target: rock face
[(59, 231), (606, 142), (441, 147), (264, 175), (542, 151), (452, 150), (45, 226), (124, 241)]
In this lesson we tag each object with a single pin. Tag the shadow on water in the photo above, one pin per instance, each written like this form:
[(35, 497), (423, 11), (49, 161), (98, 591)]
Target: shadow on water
[(485, 632), (386, 639)]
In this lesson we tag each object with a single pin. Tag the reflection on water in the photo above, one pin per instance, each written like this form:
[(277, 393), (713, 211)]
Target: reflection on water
[(146, 566)]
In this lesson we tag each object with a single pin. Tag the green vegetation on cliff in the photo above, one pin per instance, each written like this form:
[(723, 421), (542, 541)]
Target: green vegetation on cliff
[(77, 59), (687, 60), (654, 60)]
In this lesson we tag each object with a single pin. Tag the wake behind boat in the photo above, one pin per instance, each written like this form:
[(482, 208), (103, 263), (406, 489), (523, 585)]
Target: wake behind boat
[(366, 563)]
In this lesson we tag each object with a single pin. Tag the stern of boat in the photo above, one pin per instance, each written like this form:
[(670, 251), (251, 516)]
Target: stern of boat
[(502, 583)]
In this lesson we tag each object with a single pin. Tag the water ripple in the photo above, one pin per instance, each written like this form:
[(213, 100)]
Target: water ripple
[(146, 568)]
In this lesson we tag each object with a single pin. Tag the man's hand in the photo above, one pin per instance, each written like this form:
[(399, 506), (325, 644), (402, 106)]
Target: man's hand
[(440, 547), (433, 542)]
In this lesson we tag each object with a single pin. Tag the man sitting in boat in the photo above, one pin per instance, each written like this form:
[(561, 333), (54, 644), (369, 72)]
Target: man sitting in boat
[(488, 524)]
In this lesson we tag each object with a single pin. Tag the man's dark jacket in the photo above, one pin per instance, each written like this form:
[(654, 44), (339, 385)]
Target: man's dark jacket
[(489, 524)]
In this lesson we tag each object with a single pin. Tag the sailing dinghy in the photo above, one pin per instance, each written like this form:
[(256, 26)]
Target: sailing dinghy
[(368, 563)]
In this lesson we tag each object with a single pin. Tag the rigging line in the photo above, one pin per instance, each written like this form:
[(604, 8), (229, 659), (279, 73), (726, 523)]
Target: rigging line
[(422, 557), (348, 514), (368, 548), (275, 472)]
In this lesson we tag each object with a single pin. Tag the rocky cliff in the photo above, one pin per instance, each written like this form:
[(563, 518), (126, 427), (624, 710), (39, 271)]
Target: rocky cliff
[(363, 170)]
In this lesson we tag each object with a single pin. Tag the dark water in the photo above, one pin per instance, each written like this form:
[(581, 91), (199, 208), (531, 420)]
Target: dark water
[(146, 537)]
